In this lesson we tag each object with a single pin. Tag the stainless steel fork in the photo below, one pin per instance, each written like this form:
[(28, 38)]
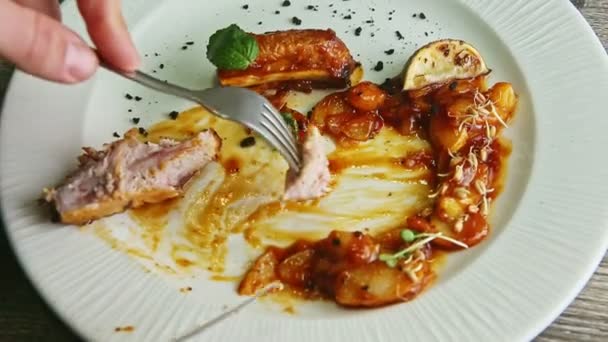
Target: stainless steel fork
[(236, 104)]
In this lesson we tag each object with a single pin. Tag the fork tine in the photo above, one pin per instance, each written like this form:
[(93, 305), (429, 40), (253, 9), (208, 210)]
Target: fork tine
[(283, 132), (274, 138), (286, 130)]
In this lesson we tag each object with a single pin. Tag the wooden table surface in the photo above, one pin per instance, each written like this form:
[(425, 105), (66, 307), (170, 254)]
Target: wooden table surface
[(25, 317)]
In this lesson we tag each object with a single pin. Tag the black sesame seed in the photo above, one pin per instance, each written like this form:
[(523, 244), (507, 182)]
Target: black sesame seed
[(184, 47), (130, 110), (296, 21), (310, 7), (156, 54), (379, 66), (422, 16), (399, 35), (426, 34), (128, 96), (247, 142), (137, 98), (162, 66), (286, 3), (173, 115), (259, 23), (142, 131), (245, 6), (277, 12), (389, 52), (347, 17), (116, 135), (358, 31), (390, 194), (369, 21), (190, 43), (135, 120)]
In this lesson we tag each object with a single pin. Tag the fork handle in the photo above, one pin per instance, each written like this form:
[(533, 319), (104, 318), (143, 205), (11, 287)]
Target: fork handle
[(152, 82)]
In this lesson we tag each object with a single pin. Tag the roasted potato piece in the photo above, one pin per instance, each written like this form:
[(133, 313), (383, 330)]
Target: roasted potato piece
[(375, 284), (505, 100), (366, 96), (261, 273)]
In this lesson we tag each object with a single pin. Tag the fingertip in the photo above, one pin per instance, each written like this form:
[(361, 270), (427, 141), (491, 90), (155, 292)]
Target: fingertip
[(80, 63), (110, 33)]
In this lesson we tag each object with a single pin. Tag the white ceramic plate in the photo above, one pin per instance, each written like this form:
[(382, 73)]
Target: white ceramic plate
[(550, 226)]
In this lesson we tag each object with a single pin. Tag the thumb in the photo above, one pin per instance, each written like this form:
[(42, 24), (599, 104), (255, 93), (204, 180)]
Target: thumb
[(42, 46)]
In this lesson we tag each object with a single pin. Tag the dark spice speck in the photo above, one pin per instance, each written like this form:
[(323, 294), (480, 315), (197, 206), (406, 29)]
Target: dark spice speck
[(190, 43), (116, 135), (422, 16), (336, 242), (143, 131), (128, 96), (358, 31), (347, 17), (399, 35), (389, 52), (137, 98), (453, 85), (286, 3), (245, 7), (296, 21), (277, 12), (161, 66), (379, 66), (259, 23), (184, 47), (174, 114), (135, 120), (247, 142)]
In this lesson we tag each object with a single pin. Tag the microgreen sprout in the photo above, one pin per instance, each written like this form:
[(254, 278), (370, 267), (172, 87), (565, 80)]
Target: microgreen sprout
[(417, 240)]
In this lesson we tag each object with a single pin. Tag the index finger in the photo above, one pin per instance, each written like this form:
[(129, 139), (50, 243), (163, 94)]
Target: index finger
[(109, 32)]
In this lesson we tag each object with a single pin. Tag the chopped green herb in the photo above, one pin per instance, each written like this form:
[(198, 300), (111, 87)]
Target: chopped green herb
[(290, 121), (231, 48)]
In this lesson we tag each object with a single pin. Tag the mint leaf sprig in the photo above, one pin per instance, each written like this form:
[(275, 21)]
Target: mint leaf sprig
[(231, 48)]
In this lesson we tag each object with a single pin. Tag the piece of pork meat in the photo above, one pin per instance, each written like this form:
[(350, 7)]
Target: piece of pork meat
[(129, 173), (313, 179), (317, 56)]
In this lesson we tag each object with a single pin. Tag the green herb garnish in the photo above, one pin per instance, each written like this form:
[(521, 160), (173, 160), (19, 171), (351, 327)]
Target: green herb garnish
[(290, 121), (408, 235), (231, 48), (417, 240)]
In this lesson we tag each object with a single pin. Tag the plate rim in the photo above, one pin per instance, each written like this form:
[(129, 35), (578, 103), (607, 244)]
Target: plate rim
[(589, 266)]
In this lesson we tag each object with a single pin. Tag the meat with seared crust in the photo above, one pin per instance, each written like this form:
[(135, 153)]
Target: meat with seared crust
[(129, 173), (295, 55)]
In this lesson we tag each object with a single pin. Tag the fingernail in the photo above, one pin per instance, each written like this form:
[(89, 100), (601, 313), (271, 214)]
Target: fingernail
[(80, 62)]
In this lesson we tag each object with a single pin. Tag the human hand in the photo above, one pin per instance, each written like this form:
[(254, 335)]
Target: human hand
[(32, 37)]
